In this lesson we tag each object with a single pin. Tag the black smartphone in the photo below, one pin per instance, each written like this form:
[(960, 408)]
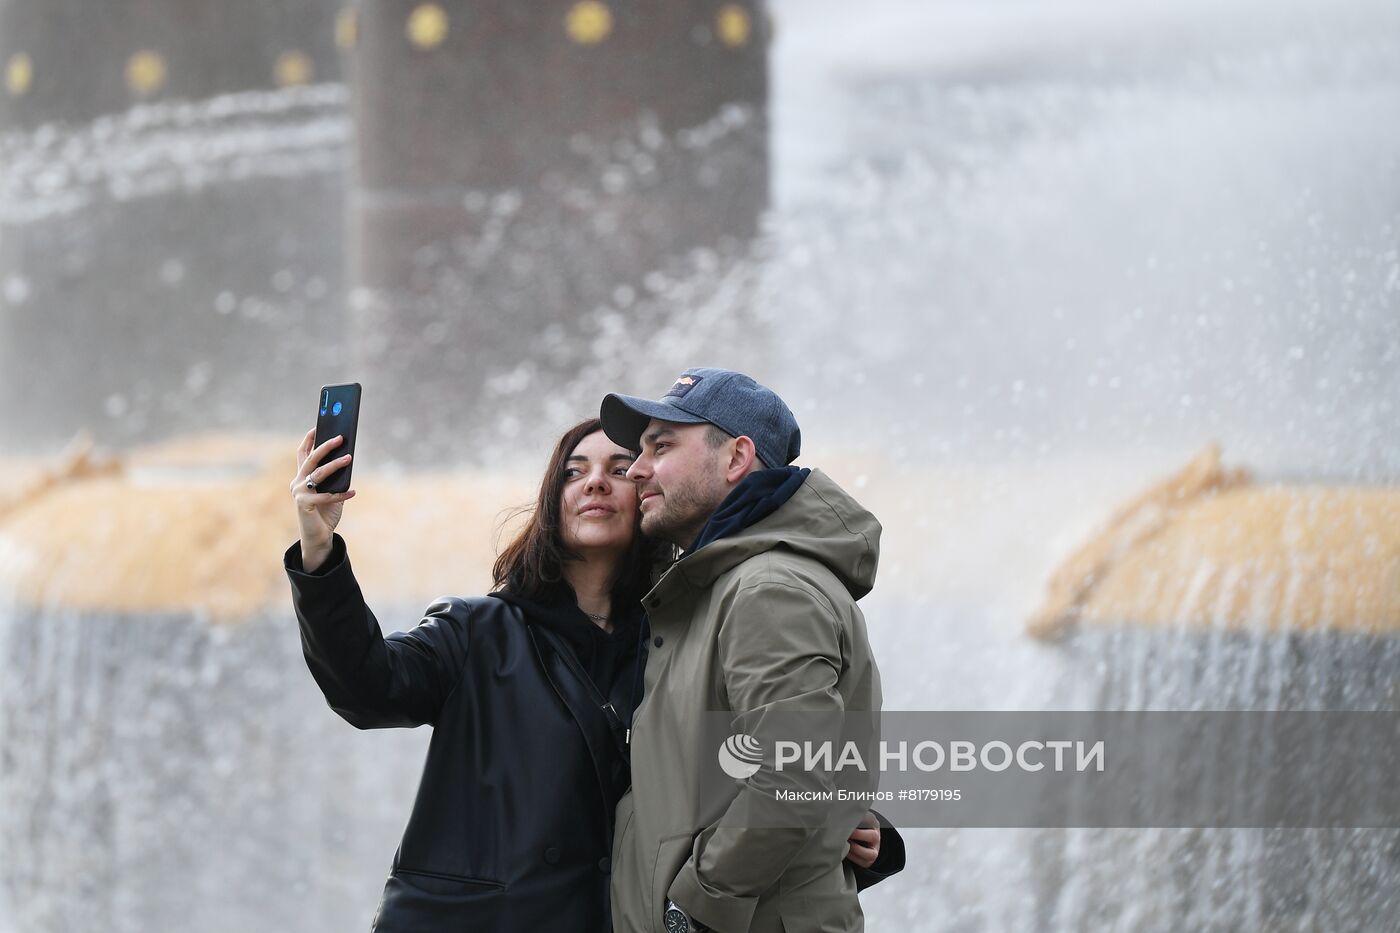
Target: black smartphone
[(338, 413)]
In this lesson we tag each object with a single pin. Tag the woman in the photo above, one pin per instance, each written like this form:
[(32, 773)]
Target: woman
[(529, 692)]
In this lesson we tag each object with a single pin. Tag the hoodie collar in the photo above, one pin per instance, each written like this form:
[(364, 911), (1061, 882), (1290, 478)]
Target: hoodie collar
[(559, 612), (819, 520), (757, 496)]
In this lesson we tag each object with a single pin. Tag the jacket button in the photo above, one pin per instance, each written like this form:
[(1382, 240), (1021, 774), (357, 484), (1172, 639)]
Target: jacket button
[(657, 641), (551, 855), (605, 864)]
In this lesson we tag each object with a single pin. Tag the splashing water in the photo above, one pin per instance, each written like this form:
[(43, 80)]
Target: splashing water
[(1022, 257)]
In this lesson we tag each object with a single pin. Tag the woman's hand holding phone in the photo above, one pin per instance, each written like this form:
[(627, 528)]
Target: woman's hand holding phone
[(318, 513)]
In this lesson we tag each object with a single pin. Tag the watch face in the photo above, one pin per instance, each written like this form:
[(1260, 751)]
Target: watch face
[(676, 921)]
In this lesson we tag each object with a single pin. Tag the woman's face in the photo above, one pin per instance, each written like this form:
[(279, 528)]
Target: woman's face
[(598, 507)]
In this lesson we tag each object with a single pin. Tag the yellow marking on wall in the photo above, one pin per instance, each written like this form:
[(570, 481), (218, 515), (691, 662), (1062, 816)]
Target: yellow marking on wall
[(588, 22), (145, 72), (101, 534), (427, 26), (292, 69), (19, 74), (733, 25), (347, 29)]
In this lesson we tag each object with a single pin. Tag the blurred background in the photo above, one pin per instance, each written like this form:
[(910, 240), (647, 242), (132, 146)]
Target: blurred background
[(1013, 264)]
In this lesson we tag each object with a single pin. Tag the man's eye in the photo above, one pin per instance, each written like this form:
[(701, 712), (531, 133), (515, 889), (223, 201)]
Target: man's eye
[(657, 448), (620, 471)]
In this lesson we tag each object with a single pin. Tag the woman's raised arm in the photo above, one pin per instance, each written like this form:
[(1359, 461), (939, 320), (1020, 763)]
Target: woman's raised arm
[(371, 680)]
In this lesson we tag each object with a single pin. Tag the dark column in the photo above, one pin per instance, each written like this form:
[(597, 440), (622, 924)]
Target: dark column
[(69, 61), (517, 165), (176, 267)]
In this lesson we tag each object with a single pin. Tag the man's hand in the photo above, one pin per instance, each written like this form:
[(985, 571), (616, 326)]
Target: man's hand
[(864, 845)]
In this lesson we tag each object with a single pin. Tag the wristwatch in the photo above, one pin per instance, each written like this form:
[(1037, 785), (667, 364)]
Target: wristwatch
[(678, 921)]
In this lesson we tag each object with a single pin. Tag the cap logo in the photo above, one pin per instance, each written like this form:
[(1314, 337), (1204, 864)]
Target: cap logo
[(683, 385)]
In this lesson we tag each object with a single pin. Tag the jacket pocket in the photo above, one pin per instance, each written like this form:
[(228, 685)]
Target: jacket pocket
[(671, 854), (823, 913), (419, 900), (435, 878)]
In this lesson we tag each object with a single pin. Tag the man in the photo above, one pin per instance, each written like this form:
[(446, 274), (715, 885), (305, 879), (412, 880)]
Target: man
[(758, 617)]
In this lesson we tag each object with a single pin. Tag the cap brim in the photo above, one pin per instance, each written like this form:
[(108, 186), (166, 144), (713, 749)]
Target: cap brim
[(625, 417)]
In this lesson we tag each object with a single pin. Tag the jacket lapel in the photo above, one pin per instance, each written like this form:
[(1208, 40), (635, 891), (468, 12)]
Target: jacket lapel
[(591, 711)]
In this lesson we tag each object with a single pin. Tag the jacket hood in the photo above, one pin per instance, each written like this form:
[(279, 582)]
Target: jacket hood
[(821, 521)]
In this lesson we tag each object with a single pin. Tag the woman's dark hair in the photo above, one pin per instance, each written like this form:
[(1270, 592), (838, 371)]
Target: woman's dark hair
[(532, 565)]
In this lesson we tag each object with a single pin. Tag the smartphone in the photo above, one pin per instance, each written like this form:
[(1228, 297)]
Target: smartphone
[(338, 413)]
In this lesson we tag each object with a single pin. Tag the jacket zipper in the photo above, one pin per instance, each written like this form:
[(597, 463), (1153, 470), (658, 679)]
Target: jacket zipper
[(614, 717)]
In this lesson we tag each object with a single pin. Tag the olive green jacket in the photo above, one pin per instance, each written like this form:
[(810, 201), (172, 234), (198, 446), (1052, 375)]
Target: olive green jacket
[(763, 621)]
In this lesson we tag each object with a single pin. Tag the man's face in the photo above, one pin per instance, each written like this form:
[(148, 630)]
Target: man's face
[(680, 480)]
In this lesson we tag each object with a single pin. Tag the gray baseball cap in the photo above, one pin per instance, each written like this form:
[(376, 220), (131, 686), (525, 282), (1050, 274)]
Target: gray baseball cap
[(730, 401)]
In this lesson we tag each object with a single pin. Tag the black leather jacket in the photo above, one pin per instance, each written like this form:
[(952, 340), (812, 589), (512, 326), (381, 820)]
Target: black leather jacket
[(512, 825)]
